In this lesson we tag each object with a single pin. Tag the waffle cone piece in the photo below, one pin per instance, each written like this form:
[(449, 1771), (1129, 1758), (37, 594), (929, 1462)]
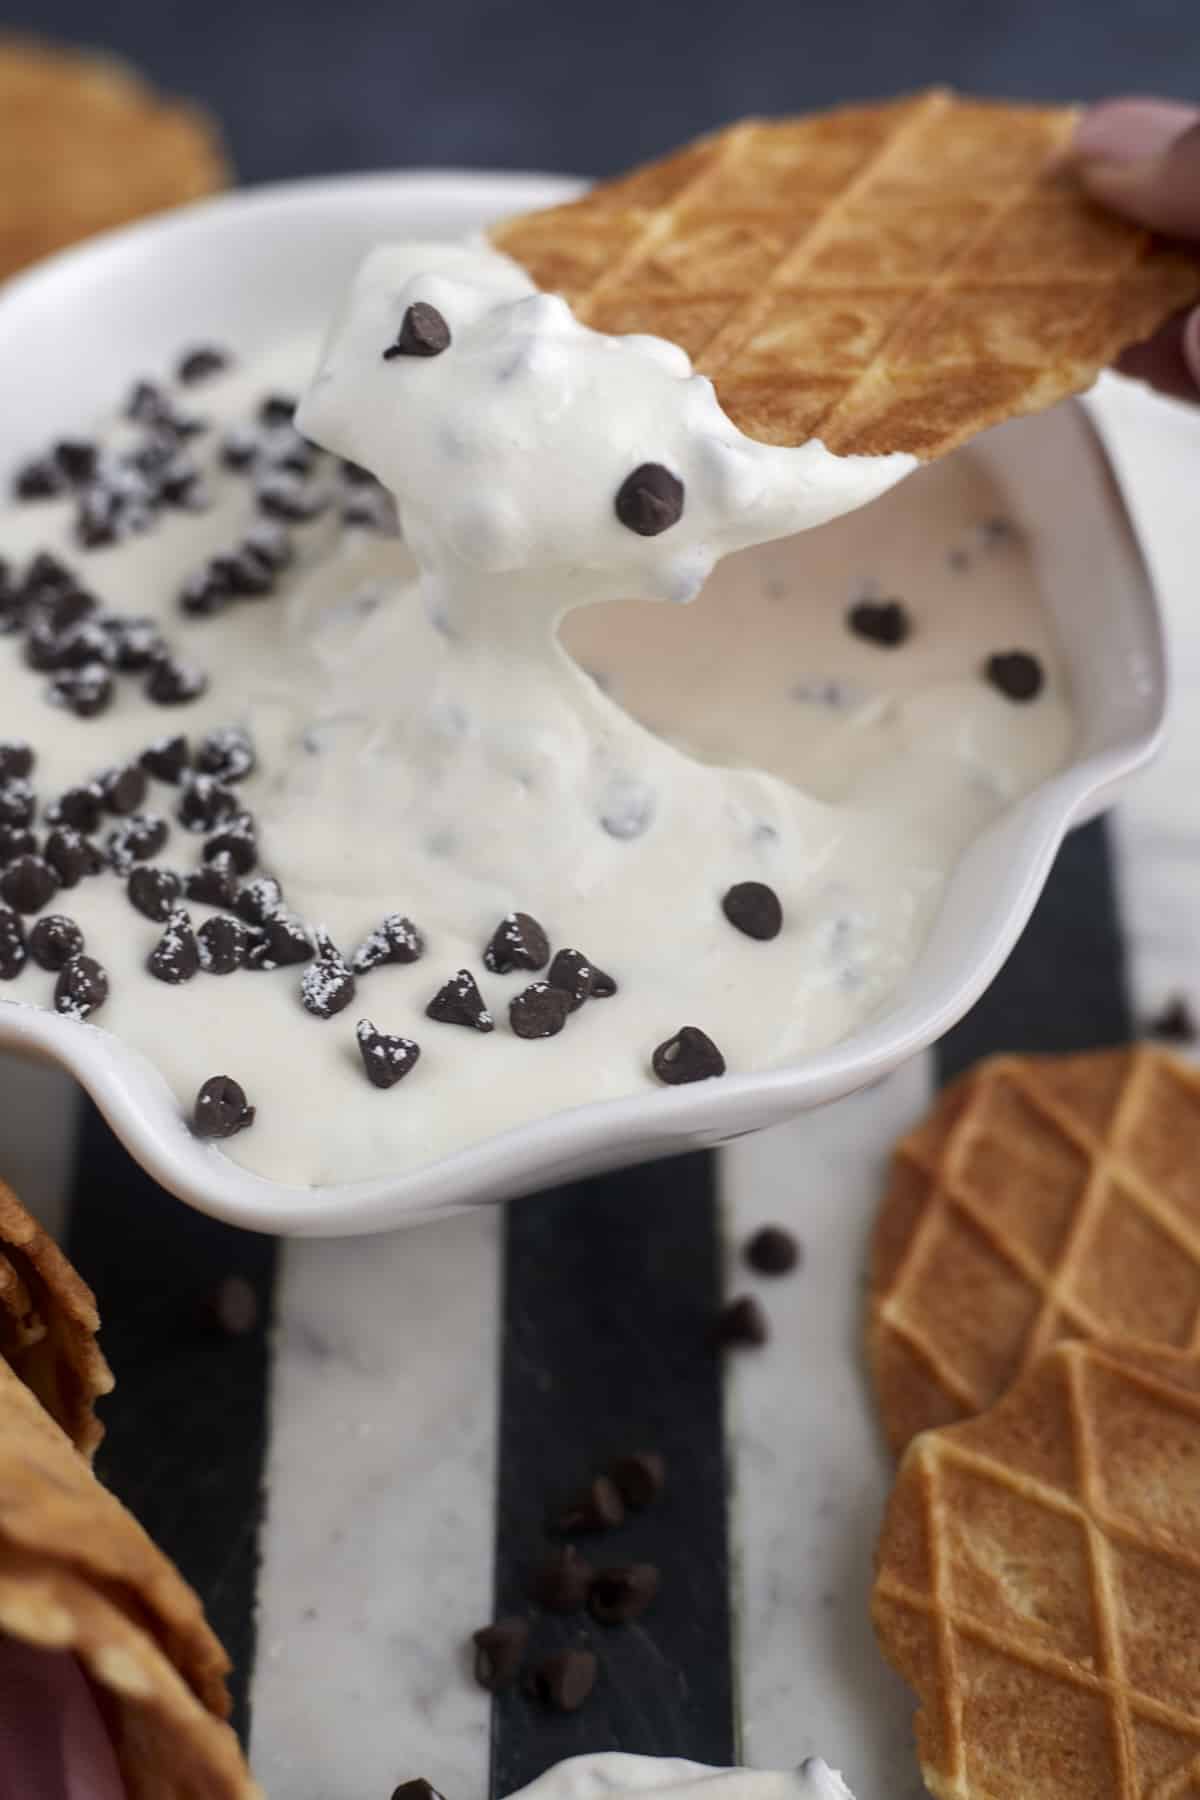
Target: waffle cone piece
[(48, 1325), (86, 144), (78, 1574), (1038, 1584), (889, 277), (1044, 1198)]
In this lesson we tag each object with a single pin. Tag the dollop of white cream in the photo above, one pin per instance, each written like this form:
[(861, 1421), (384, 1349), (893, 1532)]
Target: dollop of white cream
[(614, 1773), (506, 451)]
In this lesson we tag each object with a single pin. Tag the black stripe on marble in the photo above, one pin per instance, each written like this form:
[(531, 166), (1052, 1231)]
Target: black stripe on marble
[(187, 1424), (610, 1290), (1064, 987)]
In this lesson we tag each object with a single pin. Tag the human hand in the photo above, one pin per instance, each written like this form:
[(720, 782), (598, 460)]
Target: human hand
[(1141, 158)]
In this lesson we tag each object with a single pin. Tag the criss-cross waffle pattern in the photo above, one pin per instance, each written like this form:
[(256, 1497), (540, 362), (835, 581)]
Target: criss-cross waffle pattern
[(892, 277), (1044, 1198), (48, 1325), (1038, 1584)]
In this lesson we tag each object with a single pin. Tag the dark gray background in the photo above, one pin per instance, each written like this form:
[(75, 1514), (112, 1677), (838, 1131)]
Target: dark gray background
[(306, 86)]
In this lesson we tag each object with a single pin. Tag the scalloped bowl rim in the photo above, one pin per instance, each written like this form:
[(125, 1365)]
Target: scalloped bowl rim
[(1017, 852)]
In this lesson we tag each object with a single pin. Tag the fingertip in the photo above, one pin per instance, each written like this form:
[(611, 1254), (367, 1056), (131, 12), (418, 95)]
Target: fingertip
[(1127, 130)]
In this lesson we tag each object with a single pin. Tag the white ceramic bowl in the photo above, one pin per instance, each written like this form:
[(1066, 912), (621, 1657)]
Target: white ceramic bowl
[(253, 266)]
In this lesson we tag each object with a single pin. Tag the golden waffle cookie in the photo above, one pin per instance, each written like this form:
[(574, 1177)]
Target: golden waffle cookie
[(54, 1512), (48, 1325), (85, 144), (1038, 1585), (891, 277), (1044, 1198)]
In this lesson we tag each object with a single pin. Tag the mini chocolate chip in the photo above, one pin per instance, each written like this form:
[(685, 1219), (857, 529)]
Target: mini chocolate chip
[(86, 692), (538, 1011), (598, 1508), (239, 447), (81, 988), (283, 943), (1175, 1024), (742, 1322), (753, 908), (147, 404), (16, 840), (518, 942), (214, 883), (560, 1584), (208, 592), (16, 759), (423, 332), (54, 940), (200, 364), (386, 1058), (13, 945), (174, 683), (222, 944), (136, 839), (176, 956), (135, 643), (154, 892), (230, 1309), (43, 647), (72, 856), (46, 576), (418, 1789), (498, 1652), (621, 1594), (327, 985), (241, 575), (79, 807), (257, 900), (221, 1108), (17, 803), (204, 803), (573, 974), (564, 1679), (395, 940), (77, 460), (459, 1002), (285, 496), (690, 1055), (883, 622), (1016, 674), (772, 1251), (640, 1476), (166, 758), (650, 500), (236, 840), (123, 790), (41, 479), (228, 754), (275, 410), (28, 884)]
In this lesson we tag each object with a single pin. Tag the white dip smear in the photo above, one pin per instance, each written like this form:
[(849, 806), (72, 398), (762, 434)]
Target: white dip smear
[(429, 744), (611, 1775)]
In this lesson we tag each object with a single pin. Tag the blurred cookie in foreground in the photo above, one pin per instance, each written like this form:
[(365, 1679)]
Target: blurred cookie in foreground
[(85, 144), (1044, 1198), (1038, 1585), (889, 277), (48, 1325)]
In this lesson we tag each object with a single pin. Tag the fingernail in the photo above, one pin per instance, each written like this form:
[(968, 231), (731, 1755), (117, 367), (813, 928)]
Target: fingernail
[(1127, 132)]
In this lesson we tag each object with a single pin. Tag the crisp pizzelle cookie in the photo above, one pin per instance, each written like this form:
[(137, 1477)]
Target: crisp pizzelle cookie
[(1044, 1198), (77, 1572), (48, 1325), (889, 277), (1038, 1585), (86, 144)]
